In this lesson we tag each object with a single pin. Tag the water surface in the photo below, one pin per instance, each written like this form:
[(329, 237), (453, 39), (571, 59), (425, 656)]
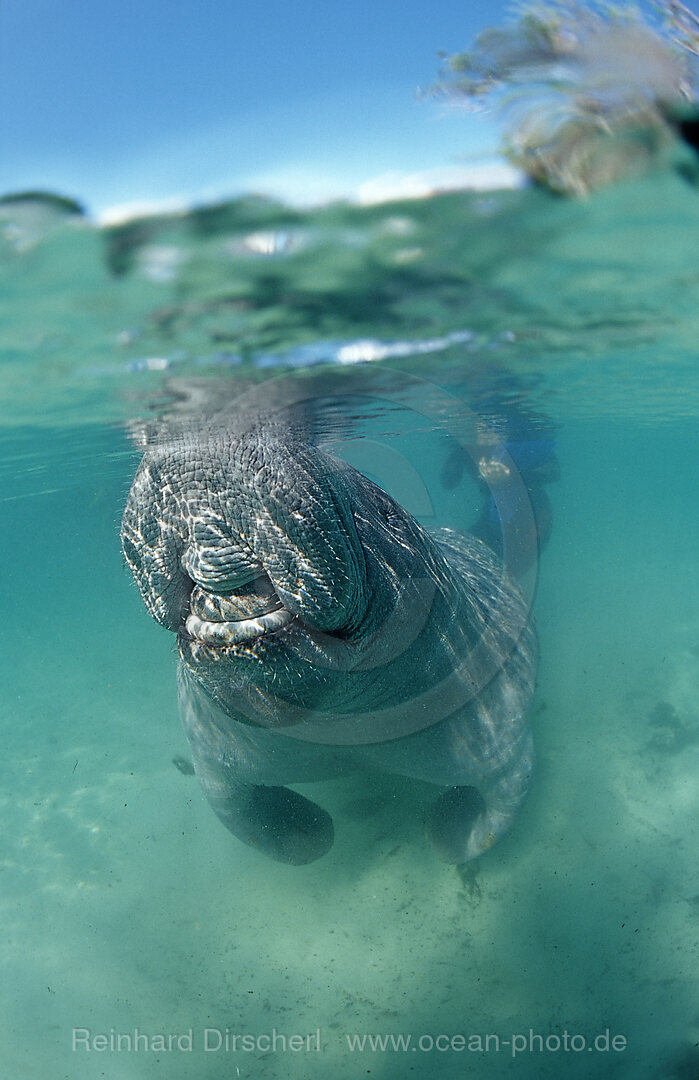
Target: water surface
[(125, 905)]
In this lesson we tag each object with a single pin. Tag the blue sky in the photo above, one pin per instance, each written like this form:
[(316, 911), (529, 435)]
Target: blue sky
[(142, 100)]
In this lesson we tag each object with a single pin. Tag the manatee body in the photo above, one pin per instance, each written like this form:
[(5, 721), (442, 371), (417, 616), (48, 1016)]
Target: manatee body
[(323, 631)]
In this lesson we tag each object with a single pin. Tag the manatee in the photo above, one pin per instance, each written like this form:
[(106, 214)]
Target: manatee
[(323, 631)]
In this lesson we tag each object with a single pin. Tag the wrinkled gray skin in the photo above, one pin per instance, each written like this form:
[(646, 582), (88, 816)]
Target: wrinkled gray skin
[(303, 596)]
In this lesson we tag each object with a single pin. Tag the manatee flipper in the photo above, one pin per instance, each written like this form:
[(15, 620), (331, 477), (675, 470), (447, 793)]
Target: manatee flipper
[(276, 820), (463, 823), (451, 821), (280, 822)]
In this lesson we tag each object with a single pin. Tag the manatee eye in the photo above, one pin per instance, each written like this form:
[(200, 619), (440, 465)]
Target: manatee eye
[(395, 522)]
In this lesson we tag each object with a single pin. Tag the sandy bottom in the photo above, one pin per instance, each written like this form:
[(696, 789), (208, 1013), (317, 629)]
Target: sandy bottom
[(126, 906)]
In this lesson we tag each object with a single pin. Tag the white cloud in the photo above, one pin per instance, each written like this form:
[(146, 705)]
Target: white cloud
[(302, 185), (487, 176), (129, 211), (306, 187)]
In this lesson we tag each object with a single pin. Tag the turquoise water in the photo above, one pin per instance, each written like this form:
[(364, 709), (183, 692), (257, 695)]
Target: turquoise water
[(125, 905)]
